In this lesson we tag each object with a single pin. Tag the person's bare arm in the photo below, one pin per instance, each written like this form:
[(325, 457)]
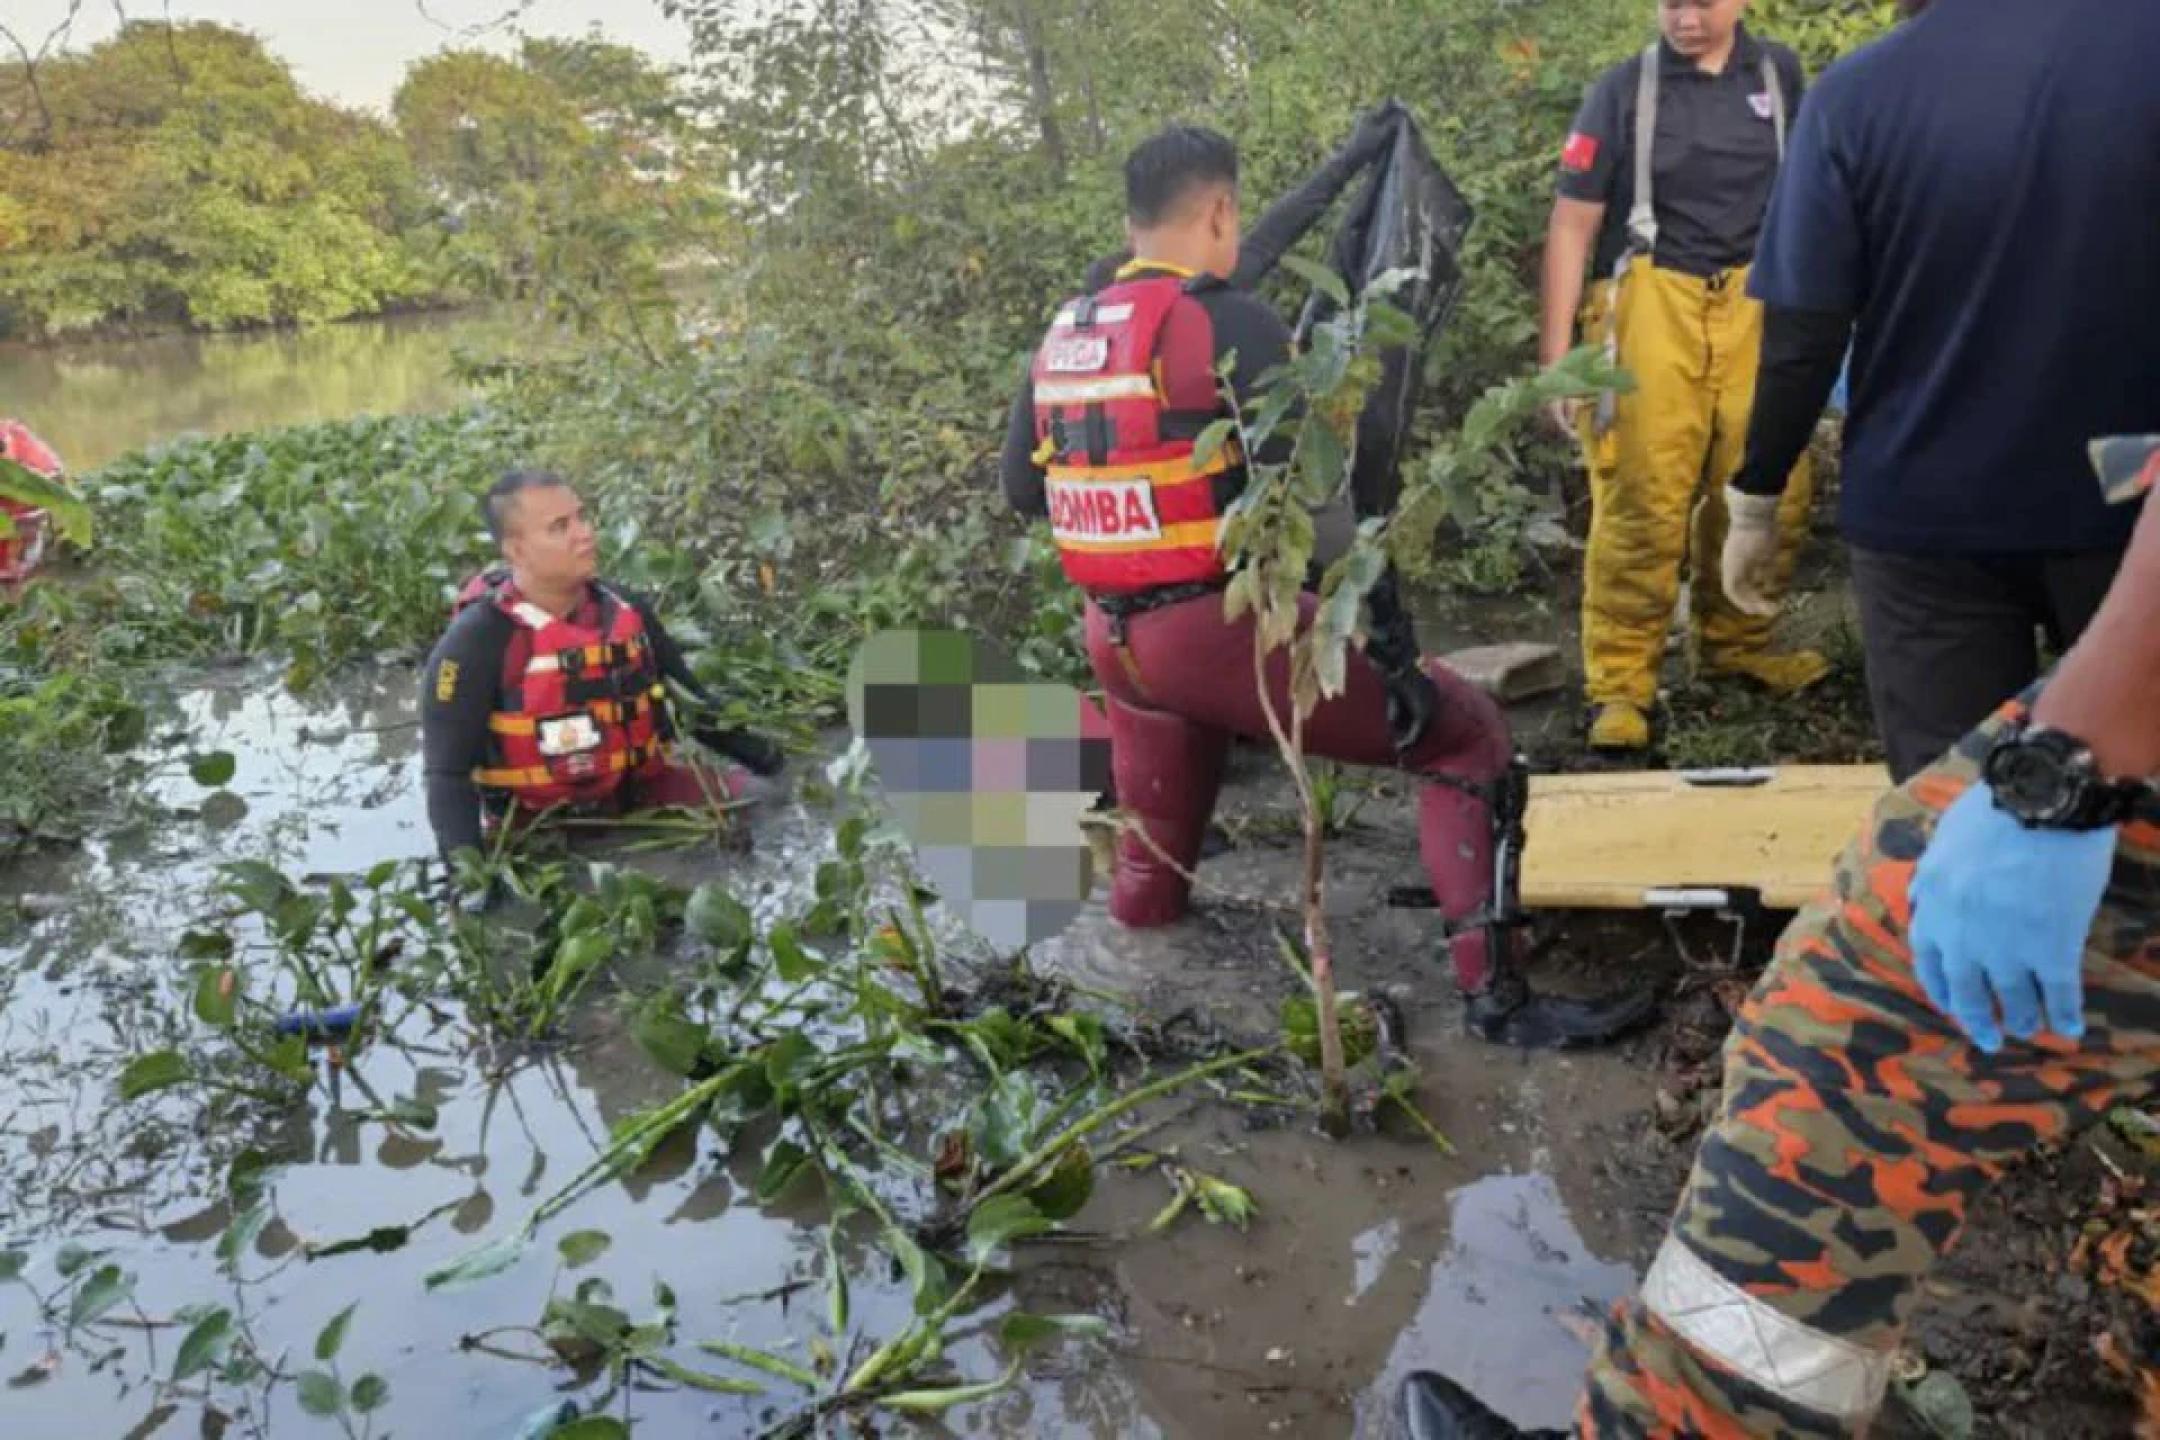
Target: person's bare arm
[(2107, 690), (1569, 237)]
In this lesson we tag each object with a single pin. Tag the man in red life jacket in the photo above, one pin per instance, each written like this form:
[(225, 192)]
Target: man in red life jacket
[(549, 690), (1101, 443), (22, 551)]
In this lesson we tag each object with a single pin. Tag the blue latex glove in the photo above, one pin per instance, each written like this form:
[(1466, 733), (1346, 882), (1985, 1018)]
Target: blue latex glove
[(2000, 916)]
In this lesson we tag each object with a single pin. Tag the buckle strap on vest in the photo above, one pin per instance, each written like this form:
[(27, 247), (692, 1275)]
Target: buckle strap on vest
[(607, 712), (630, 757)]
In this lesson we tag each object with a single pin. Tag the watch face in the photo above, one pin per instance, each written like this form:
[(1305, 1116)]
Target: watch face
[(2030, 781)]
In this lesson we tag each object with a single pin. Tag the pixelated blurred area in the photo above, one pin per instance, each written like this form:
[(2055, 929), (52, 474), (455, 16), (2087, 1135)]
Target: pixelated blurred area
[(988, 772)]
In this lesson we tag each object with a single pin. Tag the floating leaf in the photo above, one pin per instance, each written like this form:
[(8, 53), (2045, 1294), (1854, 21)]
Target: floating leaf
[(105, 1288), (11, 1264), (1023, 1333), (793, 963), (147, 1074), (321, 1395), (936, 1402), (370, 1393), (674, 1042), (783, 1163), (203, 1345), (999, 1221), (214, 770), (1065, 1191), (790, 1061), (699, 1380), (925, 1274), (217, 995), (332, 1338), (241, 1235), (581, 1247), (593, 1427), (718, 918), (763, 1360), (206, 945), (490, 1259), (73, 1257)]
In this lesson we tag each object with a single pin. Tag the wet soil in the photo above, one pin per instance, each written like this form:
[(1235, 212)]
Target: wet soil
[(1368, 1257)]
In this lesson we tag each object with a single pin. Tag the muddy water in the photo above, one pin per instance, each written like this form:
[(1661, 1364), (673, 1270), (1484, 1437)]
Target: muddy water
[(1368, 1257)]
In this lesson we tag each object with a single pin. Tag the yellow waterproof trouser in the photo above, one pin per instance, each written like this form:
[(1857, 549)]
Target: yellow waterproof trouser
[(1659, 473)]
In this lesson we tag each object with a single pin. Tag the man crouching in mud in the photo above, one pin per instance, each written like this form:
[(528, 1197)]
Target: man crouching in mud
[(2010, 890), (548, 692), (1102, 443)]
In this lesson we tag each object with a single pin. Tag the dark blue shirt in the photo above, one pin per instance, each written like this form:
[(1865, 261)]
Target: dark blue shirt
[(1980, 190)]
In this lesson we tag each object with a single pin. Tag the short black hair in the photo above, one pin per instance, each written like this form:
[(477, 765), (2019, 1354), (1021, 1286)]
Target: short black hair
[(1162, 169), (513, 484)]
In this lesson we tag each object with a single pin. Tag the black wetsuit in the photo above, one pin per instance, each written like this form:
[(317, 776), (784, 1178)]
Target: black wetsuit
[(462, 687)]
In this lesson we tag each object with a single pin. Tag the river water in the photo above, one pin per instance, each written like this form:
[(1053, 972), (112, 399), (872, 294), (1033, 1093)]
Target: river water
[(1367, 1258), (95, 400)]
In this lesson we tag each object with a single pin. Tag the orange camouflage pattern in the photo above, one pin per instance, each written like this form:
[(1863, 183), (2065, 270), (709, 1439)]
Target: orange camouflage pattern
[(1858, 1126)]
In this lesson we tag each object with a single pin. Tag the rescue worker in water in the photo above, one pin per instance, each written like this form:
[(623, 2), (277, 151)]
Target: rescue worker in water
[(1102, 443), (1664, 182), (548, 692)]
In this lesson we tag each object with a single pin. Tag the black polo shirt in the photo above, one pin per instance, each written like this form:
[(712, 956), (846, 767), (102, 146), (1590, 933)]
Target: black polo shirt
[(1715, 158)]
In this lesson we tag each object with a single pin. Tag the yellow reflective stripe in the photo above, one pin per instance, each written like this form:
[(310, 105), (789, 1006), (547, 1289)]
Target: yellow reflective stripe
[(1811, 1368), (1184, 534), (1134, 267), (1178, 471), (515, 779), (1095, 391)]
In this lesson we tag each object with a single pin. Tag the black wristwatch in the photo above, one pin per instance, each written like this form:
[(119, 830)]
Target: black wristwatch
[(2047, 780)]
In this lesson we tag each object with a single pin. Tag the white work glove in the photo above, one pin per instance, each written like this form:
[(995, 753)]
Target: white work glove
[(1751, 547)]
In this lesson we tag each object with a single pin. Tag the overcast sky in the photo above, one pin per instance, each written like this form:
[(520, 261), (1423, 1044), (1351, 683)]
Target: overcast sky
[(355, 51)]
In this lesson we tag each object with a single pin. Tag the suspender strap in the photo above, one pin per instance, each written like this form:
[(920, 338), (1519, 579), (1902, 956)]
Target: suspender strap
[(1642, 226), (1642, 216), (1776, 90)]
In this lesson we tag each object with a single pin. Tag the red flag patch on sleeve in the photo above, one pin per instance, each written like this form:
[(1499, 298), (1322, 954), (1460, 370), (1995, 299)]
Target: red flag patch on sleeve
[(1580, 152)]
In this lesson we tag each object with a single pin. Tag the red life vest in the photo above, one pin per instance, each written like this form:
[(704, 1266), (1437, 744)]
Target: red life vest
[(1130, 508), (22, 551), (579, 708)]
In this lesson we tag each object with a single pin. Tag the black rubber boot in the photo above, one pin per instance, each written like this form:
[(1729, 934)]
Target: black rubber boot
[(1436, 1408), (1509, 1012)]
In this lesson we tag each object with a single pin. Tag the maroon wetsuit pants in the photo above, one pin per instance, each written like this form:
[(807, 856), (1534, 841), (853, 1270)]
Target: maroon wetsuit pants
[(1183, 683)]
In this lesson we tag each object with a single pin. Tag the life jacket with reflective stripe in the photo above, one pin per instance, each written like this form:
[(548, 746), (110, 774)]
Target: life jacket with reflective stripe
[(579, 709), (23, 549), (1131, 507)]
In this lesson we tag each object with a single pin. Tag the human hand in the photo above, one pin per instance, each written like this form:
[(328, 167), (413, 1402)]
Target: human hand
[(1560, 419), (760, 754), (1375, 131), (2000, 917), (1751, 549), (1412, 700)]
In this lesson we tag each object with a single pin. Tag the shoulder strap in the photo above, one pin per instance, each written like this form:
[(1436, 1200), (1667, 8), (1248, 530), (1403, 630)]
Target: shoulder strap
[(1776, 88), (1642, 216)]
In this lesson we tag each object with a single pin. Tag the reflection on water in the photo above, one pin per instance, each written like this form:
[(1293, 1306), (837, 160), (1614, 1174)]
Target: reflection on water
[(1513, 1264), (96, 400)]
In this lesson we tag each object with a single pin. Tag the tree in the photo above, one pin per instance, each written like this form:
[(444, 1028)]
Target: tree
[(183, 178)]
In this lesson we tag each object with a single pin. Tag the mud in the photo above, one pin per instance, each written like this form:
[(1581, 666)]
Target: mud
[(1368, 1257)]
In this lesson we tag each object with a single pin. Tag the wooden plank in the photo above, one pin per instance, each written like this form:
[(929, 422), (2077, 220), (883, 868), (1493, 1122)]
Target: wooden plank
[(1601, 841)]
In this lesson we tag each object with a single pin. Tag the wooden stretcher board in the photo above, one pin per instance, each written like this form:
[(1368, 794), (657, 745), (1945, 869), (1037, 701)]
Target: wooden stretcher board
[(1609, 841)]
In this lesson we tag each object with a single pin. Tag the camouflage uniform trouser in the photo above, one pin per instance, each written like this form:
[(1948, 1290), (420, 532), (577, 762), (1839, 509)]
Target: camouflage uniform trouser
[(1857, 1130)]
